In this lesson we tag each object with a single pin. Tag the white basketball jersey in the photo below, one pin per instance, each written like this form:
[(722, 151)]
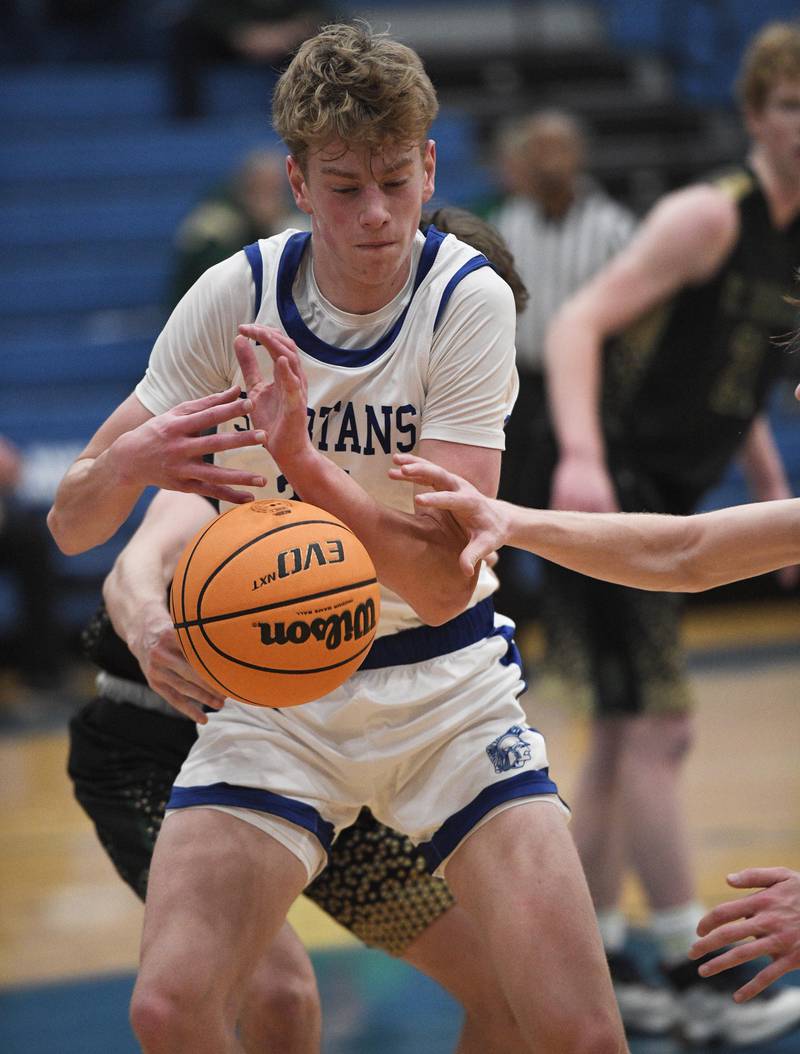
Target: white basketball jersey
[(365, 404)]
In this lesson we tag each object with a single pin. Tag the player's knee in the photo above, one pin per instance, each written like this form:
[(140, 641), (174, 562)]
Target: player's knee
[(281, 1002), (678, 738), (161, 1021), (153, 1018), (598, 1032), (664, 740)]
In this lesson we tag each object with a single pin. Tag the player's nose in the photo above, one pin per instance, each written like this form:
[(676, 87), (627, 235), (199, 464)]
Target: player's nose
[(374, 211)]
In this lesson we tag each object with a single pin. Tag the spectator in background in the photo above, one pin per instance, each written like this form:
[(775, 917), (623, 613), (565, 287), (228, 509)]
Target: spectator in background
[(658, 372), (561, 227), (254, 204), (256, 32), (36, 648)]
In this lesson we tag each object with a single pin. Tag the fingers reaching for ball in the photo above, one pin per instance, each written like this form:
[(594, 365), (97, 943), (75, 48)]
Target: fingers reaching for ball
[(168, 673), (476, 515)]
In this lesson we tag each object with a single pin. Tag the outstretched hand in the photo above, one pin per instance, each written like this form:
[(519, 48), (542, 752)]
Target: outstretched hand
[(167, 451), (481, 519), (279, 405), (771, 916)]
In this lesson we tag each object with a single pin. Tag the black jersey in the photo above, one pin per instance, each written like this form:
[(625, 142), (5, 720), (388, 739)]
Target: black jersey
[(683, 384)]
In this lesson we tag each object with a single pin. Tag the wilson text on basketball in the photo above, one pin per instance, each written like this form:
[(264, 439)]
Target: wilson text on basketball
[(334, 629)]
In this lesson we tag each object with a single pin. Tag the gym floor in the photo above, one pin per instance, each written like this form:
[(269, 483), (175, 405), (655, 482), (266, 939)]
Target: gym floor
[(69, 927)]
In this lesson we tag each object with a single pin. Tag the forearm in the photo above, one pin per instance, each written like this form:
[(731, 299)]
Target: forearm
[(572, 362), (658, 552), (91, 503), (135, 593), (416, 556), (136, 587)]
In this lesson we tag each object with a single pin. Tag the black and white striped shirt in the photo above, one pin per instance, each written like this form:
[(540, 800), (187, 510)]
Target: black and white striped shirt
[(556, 256)]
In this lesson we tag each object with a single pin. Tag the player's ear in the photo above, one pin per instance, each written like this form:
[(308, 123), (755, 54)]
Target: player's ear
[(428, 170), (297, 182)]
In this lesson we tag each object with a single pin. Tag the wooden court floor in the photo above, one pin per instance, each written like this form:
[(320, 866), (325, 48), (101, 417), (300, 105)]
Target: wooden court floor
[(65, 913)]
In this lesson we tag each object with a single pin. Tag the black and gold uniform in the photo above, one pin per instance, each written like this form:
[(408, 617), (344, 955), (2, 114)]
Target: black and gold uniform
[(681, 388), (126, 748)]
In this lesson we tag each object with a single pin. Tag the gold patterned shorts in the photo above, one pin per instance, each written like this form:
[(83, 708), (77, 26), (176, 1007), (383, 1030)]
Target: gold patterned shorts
[(377, 887), (610, 650)]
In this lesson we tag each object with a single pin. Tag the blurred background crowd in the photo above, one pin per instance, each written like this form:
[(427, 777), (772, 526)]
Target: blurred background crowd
[(138, 151)]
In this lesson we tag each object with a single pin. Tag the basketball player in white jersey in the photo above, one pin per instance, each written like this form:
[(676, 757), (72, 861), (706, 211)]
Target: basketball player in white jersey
[(127, 746), (407, 344)]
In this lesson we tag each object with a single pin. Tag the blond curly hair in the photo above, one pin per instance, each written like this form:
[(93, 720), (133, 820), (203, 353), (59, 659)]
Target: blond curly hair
[(352, 84), (772, 55)]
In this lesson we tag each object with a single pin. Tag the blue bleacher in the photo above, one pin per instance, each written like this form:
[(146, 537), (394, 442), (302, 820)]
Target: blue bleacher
[(51, 95), (59, 358)]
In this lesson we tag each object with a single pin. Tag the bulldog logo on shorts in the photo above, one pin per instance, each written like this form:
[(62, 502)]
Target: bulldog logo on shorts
[(509, 751)]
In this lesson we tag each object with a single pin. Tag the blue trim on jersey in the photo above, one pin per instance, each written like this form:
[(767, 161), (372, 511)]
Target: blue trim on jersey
[(253, 254), (456, 827), (302, 335), (427, 642), (297, 812), (462, 272)]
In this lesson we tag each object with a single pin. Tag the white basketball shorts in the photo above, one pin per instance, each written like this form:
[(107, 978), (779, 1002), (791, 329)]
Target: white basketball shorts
[(429, 734)]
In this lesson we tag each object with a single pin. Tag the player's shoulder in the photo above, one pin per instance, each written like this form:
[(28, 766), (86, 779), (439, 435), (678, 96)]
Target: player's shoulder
[(223, 291), (221, 278), (236, 270), (703, 214), (735, 182), (479, 280)]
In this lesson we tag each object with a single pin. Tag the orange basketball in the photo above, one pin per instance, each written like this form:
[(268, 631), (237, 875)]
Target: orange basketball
[(275, 603)]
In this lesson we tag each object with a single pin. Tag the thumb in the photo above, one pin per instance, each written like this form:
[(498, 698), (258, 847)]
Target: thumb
[(467, 564), (471, 554)]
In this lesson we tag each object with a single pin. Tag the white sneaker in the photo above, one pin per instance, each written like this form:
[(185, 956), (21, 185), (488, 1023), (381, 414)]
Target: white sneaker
[(709, 1013), (645, 1008)]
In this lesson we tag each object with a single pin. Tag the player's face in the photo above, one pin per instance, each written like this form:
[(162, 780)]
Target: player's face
[(776, 128), (365, 210)]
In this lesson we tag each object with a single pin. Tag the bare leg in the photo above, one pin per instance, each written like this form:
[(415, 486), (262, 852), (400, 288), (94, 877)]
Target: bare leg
[(218, 894), (598, 817), (520, 879), (452, 952), (658, 843), (281, 1011)]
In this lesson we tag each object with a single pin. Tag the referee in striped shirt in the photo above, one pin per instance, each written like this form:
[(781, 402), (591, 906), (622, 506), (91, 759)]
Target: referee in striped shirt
[(561, 227)]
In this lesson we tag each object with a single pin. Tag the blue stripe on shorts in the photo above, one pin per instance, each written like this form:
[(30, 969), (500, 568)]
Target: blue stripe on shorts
[(457, 826), (297, 812)]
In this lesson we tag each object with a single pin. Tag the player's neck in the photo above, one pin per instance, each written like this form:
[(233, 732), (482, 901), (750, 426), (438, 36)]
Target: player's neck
[(348, 294), (782, 191)]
